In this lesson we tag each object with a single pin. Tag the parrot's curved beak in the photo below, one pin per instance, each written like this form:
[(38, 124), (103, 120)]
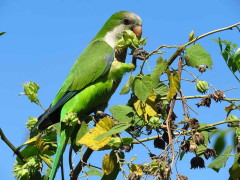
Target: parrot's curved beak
[(137, 29)]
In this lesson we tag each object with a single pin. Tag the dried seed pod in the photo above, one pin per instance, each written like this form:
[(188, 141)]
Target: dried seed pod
[(185, 146), (165, 137), (128, 148), (165, 173), (206, 101), (181, 177), (193, 123), (174, 126), (159, 143), (202, 68), (198, 138), (133, 176), (209, 152), (193, 147), (197, 162), (159, 106), (218, 95)]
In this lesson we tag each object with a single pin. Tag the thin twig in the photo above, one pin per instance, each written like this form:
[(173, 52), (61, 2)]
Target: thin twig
[(90, 165), (152, 53), (81, 164), (181, 48), (11, 146), (185, 109), (187, 132), (70, 158), (38, 103), (189, 106), (200, 96)]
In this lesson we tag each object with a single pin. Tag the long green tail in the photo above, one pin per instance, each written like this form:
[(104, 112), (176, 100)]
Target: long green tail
[(64, 137)]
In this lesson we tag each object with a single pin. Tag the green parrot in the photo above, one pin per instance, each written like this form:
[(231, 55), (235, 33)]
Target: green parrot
[(93, 78)]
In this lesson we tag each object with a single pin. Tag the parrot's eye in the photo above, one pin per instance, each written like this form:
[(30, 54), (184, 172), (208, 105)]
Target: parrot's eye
[(126, 21)]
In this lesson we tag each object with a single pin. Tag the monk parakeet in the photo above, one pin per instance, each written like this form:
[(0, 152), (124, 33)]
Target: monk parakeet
[(93, 78)]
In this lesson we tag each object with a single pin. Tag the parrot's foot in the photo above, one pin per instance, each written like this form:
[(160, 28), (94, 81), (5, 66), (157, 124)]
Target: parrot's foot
[(99, 115), (139, 53)]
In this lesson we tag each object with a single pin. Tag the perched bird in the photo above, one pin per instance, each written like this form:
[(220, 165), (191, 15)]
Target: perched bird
[(93, 78)]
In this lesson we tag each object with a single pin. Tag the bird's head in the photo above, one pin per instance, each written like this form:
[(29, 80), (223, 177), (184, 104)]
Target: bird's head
[(117, 23)]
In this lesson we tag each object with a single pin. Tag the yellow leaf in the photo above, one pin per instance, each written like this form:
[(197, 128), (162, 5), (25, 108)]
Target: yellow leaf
[(45, 148), (29, 141), (137, 169), (107, 164), (147, 109), (174, 84), (102, 126), (133, 158), (47, 161), (39, 140)]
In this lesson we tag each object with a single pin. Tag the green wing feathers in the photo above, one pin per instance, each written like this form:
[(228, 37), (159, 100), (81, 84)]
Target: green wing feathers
[(93, 62)]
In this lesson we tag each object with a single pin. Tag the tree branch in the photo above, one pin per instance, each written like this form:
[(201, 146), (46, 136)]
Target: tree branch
[(81, 164), (187, 132), (201, 96), (11, 146), (181, 48)]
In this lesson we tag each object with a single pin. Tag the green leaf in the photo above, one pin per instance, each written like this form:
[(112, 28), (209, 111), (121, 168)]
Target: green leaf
[(160, 68), (181, 155), (81, 132), (126, 88), (201, 148), (234, 171), (161, 89), (196, 55), (2, 33), (219, 162), (142, 87), (139, 121), (121, 113), (94, 173), (28, 151), (230, 56), (220, 143), (116, 129), (127, 141)]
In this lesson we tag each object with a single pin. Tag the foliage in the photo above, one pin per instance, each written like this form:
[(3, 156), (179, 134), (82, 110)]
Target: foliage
[(230, 54), (150, 109)]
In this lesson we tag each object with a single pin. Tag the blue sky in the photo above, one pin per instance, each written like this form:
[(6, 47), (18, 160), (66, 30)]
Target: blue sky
[(45, 37)]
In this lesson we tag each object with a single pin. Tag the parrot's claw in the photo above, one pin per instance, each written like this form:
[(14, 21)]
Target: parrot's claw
[(139, 53)]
